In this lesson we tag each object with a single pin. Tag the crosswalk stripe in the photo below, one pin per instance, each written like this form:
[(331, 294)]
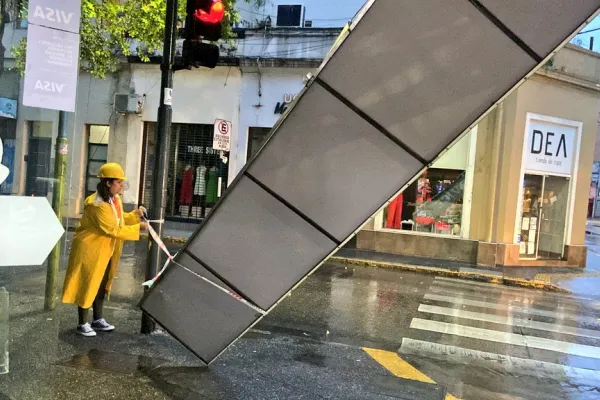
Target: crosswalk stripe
[(490, 288), (522, 366), (507, 338), (498, 319), (490, 295), (561, 296), (513, 308)]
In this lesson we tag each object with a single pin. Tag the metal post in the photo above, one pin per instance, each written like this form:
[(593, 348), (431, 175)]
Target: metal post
[(163, 138), (60, 170)]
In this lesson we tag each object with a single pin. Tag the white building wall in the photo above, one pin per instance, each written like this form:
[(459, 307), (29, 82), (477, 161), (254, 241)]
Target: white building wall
[(261, 91), (199, 97), (94, 106)]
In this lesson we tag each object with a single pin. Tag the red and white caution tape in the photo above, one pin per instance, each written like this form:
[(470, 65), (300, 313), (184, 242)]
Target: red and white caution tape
[(171, 259)]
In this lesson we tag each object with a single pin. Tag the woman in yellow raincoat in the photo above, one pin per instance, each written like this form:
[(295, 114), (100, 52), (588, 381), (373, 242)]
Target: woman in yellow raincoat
[(97, 247)]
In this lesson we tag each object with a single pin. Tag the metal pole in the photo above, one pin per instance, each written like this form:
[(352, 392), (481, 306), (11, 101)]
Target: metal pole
[(163, 138), (60, 171)]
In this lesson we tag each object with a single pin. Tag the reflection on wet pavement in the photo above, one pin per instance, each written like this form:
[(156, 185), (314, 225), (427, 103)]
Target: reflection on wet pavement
[(475, 340), (125, 364)]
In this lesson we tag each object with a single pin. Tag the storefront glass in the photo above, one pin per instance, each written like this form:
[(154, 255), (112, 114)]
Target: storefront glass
[(434, 202), (197, 172), (544, 216)]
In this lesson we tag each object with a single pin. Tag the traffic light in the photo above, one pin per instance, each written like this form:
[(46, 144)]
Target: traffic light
[(203, 22)]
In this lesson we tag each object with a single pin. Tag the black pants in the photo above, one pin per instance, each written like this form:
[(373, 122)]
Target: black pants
[(98, 301)]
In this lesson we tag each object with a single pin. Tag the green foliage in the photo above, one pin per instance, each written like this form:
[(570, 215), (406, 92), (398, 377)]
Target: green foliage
[(109, 27)]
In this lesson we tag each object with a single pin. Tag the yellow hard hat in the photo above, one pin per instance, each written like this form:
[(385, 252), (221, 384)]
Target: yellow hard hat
[(111, 171)]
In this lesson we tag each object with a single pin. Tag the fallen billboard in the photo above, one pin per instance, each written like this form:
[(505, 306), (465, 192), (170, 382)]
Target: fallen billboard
[(406, 80)]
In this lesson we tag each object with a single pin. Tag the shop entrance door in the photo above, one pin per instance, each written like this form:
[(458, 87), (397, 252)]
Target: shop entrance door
[(544, 216), (553, 221)]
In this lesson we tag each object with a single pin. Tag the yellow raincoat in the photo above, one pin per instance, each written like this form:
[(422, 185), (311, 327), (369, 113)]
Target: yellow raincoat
[(98, 240)]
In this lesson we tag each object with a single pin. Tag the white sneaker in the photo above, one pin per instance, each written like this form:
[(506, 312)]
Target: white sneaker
[(86, 330), (102, 326)]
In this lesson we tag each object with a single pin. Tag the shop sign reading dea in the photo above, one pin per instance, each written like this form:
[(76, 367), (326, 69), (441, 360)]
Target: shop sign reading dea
[(550, 145)]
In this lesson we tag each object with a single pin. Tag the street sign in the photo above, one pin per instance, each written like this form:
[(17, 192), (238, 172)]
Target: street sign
[(29, 230), (222, 135), (55, 14), (51, 69)]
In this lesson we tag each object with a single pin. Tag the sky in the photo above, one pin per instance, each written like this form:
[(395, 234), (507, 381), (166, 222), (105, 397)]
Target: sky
[(585, 37)]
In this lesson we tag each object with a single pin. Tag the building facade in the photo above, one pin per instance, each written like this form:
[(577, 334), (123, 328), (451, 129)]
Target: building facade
[(510, 192), (514, 191)]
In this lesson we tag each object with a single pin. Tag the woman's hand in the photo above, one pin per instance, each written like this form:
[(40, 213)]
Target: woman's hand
[(143, 226), (141, 212)]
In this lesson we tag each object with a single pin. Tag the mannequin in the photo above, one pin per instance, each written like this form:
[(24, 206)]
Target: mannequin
[(185, 195), (394, 216)]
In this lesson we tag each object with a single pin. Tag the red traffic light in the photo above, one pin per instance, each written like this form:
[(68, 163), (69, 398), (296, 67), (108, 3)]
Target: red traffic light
[(214, 15)]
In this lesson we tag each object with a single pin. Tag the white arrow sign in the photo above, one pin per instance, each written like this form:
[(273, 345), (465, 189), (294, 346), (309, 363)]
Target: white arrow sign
[(29, 230)]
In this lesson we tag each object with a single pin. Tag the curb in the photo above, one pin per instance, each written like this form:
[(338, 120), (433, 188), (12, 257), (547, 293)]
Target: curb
[(474, 276)]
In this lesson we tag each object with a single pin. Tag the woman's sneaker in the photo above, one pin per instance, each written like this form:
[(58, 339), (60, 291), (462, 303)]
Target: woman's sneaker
[(86, 330), (102, 325)]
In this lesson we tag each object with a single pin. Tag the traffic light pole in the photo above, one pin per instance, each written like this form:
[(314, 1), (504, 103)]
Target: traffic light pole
[(163, 139)]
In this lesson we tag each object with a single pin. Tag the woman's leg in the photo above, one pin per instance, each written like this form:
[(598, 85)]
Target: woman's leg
[(98, 304), (100, 323), (83, 315), (84, 327)]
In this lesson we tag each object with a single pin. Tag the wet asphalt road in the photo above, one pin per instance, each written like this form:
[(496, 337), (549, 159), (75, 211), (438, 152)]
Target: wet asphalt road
[(476, 341)]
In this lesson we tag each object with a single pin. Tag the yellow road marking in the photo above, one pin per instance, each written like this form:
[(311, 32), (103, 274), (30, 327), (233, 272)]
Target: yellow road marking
[(400, 368)]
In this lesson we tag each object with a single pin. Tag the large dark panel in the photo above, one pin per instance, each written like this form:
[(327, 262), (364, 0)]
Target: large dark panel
[(201, 316), (428, 75), (542, 24), (331, 164), (258, 245)]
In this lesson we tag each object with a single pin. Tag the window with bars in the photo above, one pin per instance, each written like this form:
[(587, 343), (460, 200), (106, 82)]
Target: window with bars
[(197, 173)]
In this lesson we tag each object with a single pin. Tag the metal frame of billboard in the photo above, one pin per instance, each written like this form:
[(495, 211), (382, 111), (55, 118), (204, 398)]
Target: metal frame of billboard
[(426, 164)]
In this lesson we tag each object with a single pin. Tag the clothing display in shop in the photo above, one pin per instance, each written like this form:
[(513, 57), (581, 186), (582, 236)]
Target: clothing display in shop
[(211, 186), (187, 183), (200, 186), (394, 215)]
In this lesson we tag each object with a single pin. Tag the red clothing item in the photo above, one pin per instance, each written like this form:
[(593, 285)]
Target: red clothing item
[(394, 214), (187, 188), (118, 208)]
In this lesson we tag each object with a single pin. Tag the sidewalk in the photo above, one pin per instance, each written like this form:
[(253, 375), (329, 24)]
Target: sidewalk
[(569, 280)]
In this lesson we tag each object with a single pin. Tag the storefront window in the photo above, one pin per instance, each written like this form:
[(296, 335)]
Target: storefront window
[(532, 198), (40, 161), (197, 172), (544, 216), (434, 202)]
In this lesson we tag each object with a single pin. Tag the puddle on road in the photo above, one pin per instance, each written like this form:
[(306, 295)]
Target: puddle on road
[(124, 364)]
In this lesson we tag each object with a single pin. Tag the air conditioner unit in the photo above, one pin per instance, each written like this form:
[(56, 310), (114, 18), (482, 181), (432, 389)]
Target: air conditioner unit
[(291, 15), (126, 103)]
